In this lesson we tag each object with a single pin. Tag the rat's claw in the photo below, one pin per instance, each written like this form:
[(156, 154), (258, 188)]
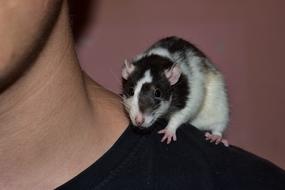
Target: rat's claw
[(168, 134), (219, 139), (225, 142), (164, 137), (207, 135), (174, 137)]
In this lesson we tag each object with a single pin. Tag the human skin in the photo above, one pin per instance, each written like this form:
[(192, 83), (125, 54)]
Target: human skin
[(54, 120)]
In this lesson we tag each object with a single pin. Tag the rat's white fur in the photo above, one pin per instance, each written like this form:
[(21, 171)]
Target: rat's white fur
[(214, 113), (195, 97), (156, 51), (159, 51), (132, 103)]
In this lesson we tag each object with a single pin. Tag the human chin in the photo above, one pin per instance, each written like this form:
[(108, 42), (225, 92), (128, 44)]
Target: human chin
[(23, 26)]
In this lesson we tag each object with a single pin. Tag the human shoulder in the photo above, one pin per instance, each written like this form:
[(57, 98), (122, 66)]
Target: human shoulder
[(192, 161)]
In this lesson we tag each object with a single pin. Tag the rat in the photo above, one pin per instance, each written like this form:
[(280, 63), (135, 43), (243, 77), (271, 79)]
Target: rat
[(176, 81)]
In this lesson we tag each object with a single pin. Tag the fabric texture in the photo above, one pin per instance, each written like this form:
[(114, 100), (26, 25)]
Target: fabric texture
[(138, 160)]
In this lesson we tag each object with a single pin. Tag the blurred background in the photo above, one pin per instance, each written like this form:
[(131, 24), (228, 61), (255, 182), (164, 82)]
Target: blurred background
[(245, 39)]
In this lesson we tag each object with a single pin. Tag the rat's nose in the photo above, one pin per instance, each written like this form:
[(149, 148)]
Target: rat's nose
[(139, 119)]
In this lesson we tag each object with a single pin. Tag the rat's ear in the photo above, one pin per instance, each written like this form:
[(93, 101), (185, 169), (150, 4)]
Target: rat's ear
[(128, 68), (173, 74)]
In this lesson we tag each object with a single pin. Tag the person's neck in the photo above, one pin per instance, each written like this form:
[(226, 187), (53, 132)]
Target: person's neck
[(47, 119)]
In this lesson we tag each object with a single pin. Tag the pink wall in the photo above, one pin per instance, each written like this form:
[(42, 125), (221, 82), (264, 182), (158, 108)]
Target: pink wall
[(244, 38)]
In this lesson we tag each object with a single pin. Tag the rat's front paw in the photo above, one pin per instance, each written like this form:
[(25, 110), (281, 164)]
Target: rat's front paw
[(169, 134)]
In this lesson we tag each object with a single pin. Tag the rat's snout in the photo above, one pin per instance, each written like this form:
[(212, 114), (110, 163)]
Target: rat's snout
[(139, 119)]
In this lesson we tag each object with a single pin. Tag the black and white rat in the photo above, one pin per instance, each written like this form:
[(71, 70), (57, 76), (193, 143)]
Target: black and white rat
[(174, 80)]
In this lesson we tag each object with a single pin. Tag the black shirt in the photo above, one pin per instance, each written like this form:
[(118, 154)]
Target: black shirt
[(141, 161)]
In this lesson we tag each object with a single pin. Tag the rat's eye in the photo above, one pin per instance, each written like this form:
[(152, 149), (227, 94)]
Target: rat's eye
[(131, 91), (157, 93)]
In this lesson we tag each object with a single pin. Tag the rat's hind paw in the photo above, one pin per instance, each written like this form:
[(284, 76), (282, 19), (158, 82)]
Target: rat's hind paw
[(216, 138), (168, 134)]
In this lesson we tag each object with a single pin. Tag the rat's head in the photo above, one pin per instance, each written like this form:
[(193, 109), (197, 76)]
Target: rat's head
[(147, 93)]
